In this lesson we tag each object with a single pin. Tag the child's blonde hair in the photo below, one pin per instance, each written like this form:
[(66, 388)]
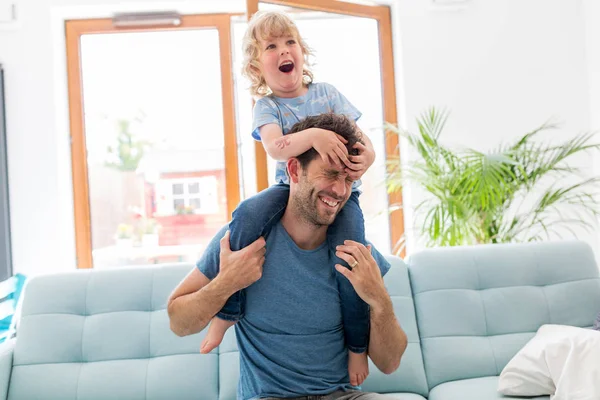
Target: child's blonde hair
[(264, 25)]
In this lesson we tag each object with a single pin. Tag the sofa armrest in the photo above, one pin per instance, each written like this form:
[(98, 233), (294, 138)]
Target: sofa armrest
[(6, 361)]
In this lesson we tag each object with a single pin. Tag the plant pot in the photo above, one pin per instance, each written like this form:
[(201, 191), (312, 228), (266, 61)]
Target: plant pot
[(124, 242), (150, 240)]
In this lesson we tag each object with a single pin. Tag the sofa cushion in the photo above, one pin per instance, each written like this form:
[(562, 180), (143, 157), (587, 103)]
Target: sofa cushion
[(404, 396), (477, 306), (105, 334), (473, 389)]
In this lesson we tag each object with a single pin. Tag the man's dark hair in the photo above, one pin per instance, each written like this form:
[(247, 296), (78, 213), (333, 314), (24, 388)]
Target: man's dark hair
[(337, 123)]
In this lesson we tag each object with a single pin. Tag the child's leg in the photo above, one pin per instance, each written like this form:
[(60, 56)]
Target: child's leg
[(254, 217), (349, 225)]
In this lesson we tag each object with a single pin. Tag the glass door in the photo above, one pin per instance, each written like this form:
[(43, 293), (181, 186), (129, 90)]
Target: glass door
[(347, 40), (159, 137)]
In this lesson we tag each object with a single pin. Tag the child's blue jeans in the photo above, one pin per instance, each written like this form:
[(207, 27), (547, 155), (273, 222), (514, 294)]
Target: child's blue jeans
[(255, 217)]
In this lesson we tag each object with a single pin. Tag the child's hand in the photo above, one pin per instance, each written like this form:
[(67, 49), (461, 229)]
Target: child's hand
[(361, 162), (331, 147)]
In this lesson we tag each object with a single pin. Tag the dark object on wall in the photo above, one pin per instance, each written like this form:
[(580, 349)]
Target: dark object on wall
[(5, 243)]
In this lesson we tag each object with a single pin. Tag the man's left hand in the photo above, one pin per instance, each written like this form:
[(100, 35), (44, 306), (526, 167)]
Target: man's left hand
[(365, 276), (359, 164)]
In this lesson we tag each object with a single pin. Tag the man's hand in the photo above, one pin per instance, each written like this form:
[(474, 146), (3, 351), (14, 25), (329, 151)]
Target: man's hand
[(361, 162), (387, 340), (240, 269), (365, 276)]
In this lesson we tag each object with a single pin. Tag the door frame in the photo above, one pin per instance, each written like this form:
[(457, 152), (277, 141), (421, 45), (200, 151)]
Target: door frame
[(382, 14), (74, 29)]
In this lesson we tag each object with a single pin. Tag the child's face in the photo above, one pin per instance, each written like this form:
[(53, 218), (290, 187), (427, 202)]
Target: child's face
[(281, 64)]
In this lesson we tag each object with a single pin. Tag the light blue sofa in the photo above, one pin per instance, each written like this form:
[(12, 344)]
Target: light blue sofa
[(104, 334)]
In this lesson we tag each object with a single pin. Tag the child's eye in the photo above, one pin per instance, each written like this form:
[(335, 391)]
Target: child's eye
[(271, 46), (291, 41)]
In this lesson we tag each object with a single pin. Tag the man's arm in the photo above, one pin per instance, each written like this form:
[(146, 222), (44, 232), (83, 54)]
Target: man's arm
[(197, 299), (194, 302), (387, 341)]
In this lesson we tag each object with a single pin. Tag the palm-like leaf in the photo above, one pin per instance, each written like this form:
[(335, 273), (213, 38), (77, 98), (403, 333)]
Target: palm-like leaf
[(473, 195)]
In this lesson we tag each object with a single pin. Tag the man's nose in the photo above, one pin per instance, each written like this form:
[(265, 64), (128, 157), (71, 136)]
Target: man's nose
[(339, 188)]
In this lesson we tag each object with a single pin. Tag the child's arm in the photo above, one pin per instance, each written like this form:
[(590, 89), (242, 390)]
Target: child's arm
[(328, 144)]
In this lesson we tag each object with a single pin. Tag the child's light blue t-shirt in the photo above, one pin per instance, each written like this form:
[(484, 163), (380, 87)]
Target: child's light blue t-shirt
[(321, 98), (291, 339)]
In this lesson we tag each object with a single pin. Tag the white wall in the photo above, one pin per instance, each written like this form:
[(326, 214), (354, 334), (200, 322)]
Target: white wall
[(501, 67), (592, 24)]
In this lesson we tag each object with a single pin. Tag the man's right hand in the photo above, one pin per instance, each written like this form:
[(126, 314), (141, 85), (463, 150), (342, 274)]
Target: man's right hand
[(240, 269)]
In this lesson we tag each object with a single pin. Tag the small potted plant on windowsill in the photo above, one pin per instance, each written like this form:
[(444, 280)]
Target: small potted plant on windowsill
[(185, 215), (124, 235), (150, 233)]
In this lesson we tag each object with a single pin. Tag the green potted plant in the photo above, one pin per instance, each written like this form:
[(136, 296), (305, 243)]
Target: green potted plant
[(150, 232), (124, 235), (519, 192)]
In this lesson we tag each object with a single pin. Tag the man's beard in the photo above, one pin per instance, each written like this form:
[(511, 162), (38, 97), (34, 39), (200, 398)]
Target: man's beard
[(306, 204)]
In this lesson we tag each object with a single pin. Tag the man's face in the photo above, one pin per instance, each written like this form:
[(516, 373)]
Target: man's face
[(321, 192)]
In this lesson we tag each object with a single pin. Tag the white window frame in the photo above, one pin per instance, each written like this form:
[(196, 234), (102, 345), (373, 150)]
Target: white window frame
[(208, 195)]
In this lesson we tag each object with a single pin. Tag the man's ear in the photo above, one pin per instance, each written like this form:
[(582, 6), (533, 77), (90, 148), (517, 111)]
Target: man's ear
[(294, 169)]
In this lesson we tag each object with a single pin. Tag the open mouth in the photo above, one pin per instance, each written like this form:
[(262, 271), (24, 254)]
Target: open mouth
[(330, 202), (286, 66)]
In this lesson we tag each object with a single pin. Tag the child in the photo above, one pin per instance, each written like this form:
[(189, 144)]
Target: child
[(275, 61)]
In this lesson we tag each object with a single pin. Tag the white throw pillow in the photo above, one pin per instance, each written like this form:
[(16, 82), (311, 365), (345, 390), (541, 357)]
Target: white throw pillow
[(560, 360), (527, 374)]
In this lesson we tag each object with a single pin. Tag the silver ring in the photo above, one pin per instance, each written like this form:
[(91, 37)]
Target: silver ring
[(354, 264)]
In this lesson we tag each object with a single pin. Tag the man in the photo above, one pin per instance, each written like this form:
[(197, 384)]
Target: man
[(291, 339)]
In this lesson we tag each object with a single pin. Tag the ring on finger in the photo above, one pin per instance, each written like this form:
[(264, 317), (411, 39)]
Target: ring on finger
[(354, 264)]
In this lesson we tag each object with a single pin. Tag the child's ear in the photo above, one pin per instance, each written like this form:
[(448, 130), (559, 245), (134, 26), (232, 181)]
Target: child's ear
[(293, 168)]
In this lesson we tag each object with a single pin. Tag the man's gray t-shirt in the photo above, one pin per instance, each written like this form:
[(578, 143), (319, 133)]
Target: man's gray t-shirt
[(291, 339)]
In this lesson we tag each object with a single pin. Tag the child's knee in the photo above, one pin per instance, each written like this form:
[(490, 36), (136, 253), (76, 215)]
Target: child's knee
[(247, 209)]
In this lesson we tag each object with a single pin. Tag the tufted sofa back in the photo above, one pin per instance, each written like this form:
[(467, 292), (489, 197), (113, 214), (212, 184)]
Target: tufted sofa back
[(477, 306), (104, 334)]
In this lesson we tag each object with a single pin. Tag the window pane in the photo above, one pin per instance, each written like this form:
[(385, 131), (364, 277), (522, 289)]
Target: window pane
[(154, 130), (193, 188), (243, 109), (177, 188), (195, 203), (178, 204), (337, 40)]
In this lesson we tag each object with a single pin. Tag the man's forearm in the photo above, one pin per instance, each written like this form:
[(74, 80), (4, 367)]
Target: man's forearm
[(388, 341), (189, 314)]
